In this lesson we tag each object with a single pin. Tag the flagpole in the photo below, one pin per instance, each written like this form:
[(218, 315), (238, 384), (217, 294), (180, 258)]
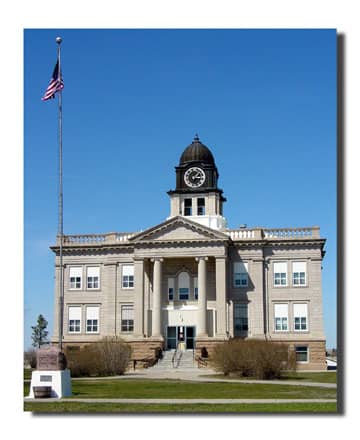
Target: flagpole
[(60, 220)]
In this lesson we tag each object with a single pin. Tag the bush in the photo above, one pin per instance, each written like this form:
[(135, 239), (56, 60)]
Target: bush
[(253, 358), (108, 357), (30, 357)]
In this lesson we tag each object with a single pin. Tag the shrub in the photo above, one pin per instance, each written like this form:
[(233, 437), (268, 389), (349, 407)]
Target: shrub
[(30, 357), (253, 358), (108, 357)]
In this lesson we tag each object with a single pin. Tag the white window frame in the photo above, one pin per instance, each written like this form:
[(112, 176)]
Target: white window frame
[(241, 273), (296, 265), (127, 276), (95, 277), (92, 317), (75, 272), (281, 314), (301, 316), (307, 354), (73, 317), (128, 307), (280, 267)]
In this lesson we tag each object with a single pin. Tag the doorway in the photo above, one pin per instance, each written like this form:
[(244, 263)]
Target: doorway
[(180, 333)]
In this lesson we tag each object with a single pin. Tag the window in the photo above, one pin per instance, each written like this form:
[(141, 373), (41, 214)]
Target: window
[(128, 277), (184, 285), (75, 277), (188, 207), (196, 290), (127, 318), (280, 271), (92, 319), (240, 274), (240, 319), (302, 353), (171, 289), (93, 277), (201, 206), (299, 273), (300, 317), (74, 319), (281, 317)]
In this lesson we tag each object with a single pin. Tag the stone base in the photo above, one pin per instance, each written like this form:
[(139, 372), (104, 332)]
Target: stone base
[(59, 380)]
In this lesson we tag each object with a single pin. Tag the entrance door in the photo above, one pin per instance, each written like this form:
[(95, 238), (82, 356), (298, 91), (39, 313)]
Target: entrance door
[(178, 334), (171, 338), (190, 337)]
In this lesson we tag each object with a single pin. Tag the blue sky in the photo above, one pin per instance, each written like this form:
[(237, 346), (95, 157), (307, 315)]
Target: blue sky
[(264, 102)]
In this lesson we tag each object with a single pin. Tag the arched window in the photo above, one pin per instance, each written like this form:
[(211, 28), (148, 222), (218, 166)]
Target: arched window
[(184, 285)]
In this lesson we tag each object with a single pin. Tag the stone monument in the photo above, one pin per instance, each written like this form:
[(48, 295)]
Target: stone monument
[(51, 372)]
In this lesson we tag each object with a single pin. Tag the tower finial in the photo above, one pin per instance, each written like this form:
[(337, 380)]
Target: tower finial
[(196, 138)]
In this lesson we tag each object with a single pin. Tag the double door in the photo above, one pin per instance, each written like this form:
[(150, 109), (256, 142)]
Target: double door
[(180, 333)]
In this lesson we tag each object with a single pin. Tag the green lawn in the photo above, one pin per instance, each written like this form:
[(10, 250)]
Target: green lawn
[(162, 389), (321, 376), (76, 407)]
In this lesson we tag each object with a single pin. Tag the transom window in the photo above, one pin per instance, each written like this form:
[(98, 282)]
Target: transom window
[(300, 317), (92, 319), (240, 274), (74, 319), (128, 277), (127, 318), (281, 317), (75, 277), (280, 274), (93, 277), (299, 273), (241, 324)]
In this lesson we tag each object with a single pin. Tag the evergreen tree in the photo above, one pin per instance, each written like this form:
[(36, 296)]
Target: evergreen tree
[(40, 333)]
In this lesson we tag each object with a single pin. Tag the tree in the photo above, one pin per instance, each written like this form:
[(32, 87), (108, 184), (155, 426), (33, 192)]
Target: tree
[(40, 333)]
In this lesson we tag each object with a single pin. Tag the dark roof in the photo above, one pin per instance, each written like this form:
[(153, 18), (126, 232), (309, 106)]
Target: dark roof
[(197, 152)]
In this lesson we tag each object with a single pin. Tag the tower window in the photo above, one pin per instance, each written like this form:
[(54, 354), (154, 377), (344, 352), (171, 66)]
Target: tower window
[(188, 207), (201, 206)]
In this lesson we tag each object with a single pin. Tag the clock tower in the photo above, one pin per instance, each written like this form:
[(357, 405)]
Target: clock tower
[(197, 195)]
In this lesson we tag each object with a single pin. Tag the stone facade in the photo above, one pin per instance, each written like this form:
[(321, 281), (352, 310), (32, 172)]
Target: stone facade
[(191, 279)]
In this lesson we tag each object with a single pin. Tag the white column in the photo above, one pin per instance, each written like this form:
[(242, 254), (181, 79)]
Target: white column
[(221, 296), (201, 324), (139, 297), (156, 308)]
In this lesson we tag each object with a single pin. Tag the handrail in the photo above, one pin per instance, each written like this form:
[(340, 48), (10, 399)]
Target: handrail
[(174, 357)]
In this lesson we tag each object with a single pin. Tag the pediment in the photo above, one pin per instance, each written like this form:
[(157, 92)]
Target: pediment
[(179, 229)]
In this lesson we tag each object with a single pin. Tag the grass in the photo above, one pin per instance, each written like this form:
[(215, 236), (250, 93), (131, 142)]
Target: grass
[(162, 389), (77, 407), (320, 377)]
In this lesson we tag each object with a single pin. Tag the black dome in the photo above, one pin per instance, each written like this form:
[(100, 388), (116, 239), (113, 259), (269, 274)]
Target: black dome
[(197, 152)]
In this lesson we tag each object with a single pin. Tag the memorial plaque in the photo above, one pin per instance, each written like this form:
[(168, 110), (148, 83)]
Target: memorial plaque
[(50, 358), (45, 378)]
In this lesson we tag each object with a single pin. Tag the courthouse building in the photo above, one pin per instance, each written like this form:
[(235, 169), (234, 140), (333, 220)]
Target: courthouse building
[(192, 280)]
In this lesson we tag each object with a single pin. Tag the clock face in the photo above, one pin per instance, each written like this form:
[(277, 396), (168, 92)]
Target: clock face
[(194, 177)]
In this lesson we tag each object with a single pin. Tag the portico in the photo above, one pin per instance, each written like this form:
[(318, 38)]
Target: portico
[(180, 280)]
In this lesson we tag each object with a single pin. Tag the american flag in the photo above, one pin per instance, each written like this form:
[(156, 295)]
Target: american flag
[(55, 85)]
